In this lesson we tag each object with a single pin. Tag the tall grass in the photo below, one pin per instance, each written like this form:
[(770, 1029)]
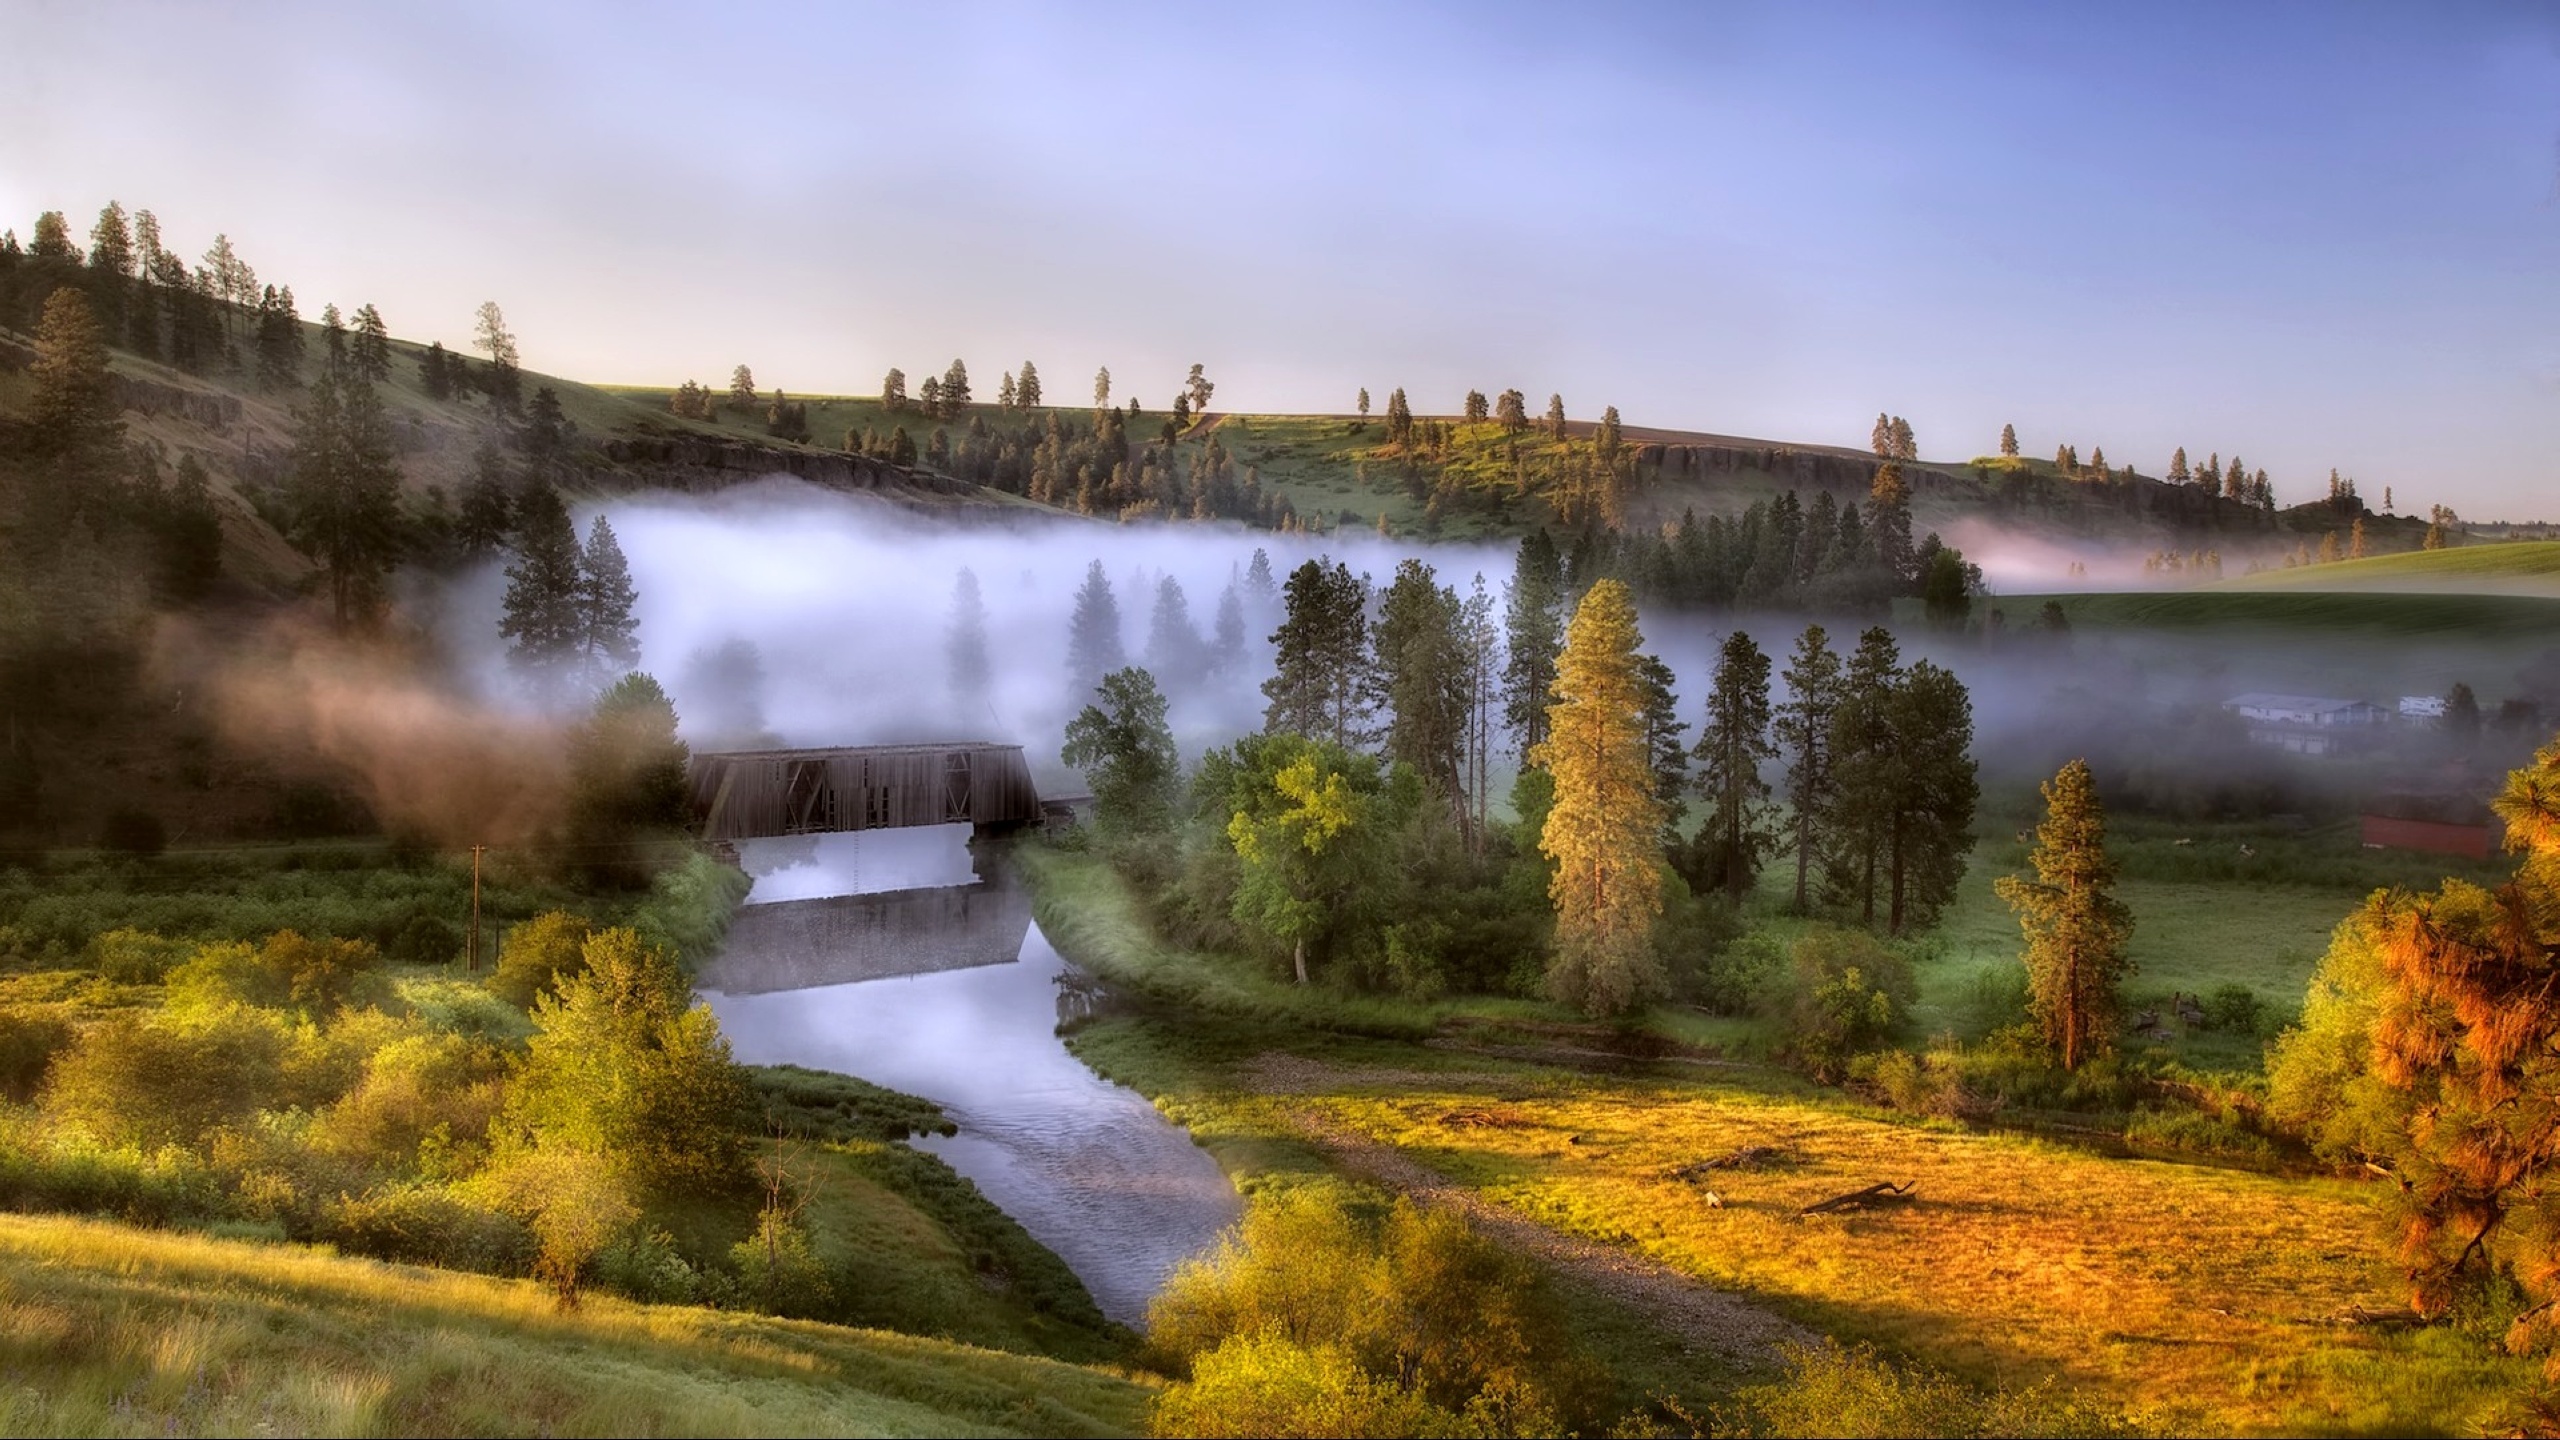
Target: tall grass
[(107, 1330)]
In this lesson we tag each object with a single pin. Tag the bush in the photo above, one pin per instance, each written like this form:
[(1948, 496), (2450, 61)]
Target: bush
[(536, 954), (126, 1081), (136, 957), (29, 1039), (428, 1225), (1843, 995), (778, 1269), (314, 978), (2235, 1009), (1834, 1390), (425, 940), (1263, 1384)]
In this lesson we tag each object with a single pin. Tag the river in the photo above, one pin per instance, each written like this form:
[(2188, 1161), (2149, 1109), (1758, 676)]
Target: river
[(884, 956)]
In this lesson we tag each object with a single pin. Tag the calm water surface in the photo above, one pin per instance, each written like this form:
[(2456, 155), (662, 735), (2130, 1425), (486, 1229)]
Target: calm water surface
[(882, 956)]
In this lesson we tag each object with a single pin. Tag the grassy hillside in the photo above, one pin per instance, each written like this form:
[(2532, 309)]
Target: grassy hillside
[(2516, 567), (110, 1330)]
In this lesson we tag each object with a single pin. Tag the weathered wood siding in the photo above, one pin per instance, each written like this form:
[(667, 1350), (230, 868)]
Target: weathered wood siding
[(749, 795)]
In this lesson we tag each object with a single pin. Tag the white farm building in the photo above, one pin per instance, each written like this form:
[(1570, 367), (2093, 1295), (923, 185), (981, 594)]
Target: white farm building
[(2304, 724)]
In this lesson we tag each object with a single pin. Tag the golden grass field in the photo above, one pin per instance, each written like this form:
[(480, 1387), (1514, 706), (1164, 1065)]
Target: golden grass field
[(109, 1330)]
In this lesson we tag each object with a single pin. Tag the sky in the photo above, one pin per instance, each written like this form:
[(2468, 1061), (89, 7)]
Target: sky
[(2315, 235)]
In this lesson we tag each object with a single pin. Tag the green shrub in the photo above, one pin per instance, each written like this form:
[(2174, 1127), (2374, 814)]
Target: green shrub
[(778, 1269), (1266, 1384), (2235, 1009), (127, 1081), (536, 954), (29, 1039), (136, 957), (428, 1225), (1832, 1390), (425, 940), (315, 978), (646, 1266)]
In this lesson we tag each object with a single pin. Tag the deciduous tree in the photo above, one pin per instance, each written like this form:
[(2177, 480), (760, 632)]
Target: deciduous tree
[(1125, 751)]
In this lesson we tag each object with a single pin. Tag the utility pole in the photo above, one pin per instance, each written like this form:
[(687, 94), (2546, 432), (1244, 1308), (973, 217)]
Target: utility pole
[(471, 946)]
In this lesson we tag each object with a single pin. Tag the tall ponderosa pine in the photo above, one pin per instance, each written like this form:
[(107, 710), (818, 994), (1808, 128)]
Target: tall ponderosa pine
[(345, 492), (1937, 788), (1320, 656), (1094, 647), (606, 596), (1173, 642), (1604, 830), (1533, 632), (1801, 728), (1418, 677), (372, 346), (1226, 647), (1866, 771), (73, 421), (543, 618), (972, 674), (1665, 746), (1731, 746), (2009, 441), (1889, 521), (487, 513), (2076, 929)]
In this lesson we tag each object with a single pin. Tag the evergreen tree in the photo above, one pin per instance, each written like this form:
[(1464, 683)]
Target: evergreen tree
[(1866, 772), (546, 435), (2009, 441), (611, 641), (2076, 930), (1093, 634), (626, 783), (1802, 730), (1125, 750), (1666, 752), (1321, 648), (1005, 392), (1173, 642), (490, 329), (278, 338), (1889, 522), (487, 514), (1880, 438), (345, 492), (1476, 407), (435, 373), (742, 388), (1534, 631), (74, 425), (1197, 389), (972, 673), (1604, 829), (955, 389), (1102, 388), (1259, 586), (1904, 446), (1364, 402), (2355, 540), (2178, 474), (1026, 391), (1226, 653), (372, 353), (893, 391), (1606, 440), (1482, 637), (2462, 717), (1418, 678), (1935, 791), (1731, 745), (1555, 416), (333, 336), (544, 619)]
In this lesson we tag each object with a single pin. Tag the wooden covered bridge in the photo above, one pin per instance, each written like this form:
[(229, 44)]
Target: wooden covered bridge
[(756, 794)]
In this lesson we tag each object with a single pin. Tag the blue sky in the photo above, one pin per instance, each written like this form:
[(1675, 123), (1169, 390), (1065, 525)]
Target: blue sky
[(2318, 235)]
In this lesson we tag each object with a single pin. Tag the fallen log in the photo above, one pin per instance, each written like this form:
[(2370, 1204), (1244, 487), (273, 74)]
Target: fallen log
[(1883, 1192)]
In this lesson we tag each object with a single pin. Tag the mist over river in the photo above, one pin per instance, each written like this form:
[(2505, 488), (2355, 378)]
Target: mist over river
[(882, 955)]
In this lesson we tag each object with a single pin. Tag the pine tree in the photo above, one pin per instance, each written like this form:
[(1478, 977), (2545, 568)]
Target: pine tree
[(2009, 441), (76, 427), (972, 674), (1173, 642), (955, 389), (1005, 396), (543, 618), (1534, 631), (1364, 402), (1866, 770), (1511, 411), (1936, 788), (1399, 417), (742, 388), (1476, 407), (1889, 521), (1418, 679), (1026, 390), (1880, 438), (487, 513), (893, 391), (189, 532), (1226, 651), (2329, 547), (1802, 729), (611, 642), (2076, 930), (372, 348), (1555, 416), (1197, 389), (1666, 751), (1731, 745), (435, 374), (1317, 687), (494, 336), (2355, 540), (1604, 830), (1093, 633), (345, 493), (2178, 468), (1606, 440), (1102, 388), (1904, 446)]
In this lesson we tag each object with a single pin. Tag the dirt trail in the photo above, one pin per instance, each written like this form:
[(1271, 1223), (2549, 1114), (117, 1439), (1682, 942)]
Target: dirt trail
[(1731, 1328)]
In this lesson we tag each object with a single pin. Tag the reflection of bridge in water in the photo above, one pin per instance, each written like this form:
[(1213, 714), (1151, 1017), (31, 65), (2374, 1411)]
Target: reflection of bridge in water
[(796, 944), (756, 794)]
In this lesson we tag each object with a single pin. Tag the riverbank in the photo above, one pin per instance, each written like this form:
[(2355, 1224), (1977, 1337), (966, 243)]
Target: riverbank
[(2221, 1299)]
